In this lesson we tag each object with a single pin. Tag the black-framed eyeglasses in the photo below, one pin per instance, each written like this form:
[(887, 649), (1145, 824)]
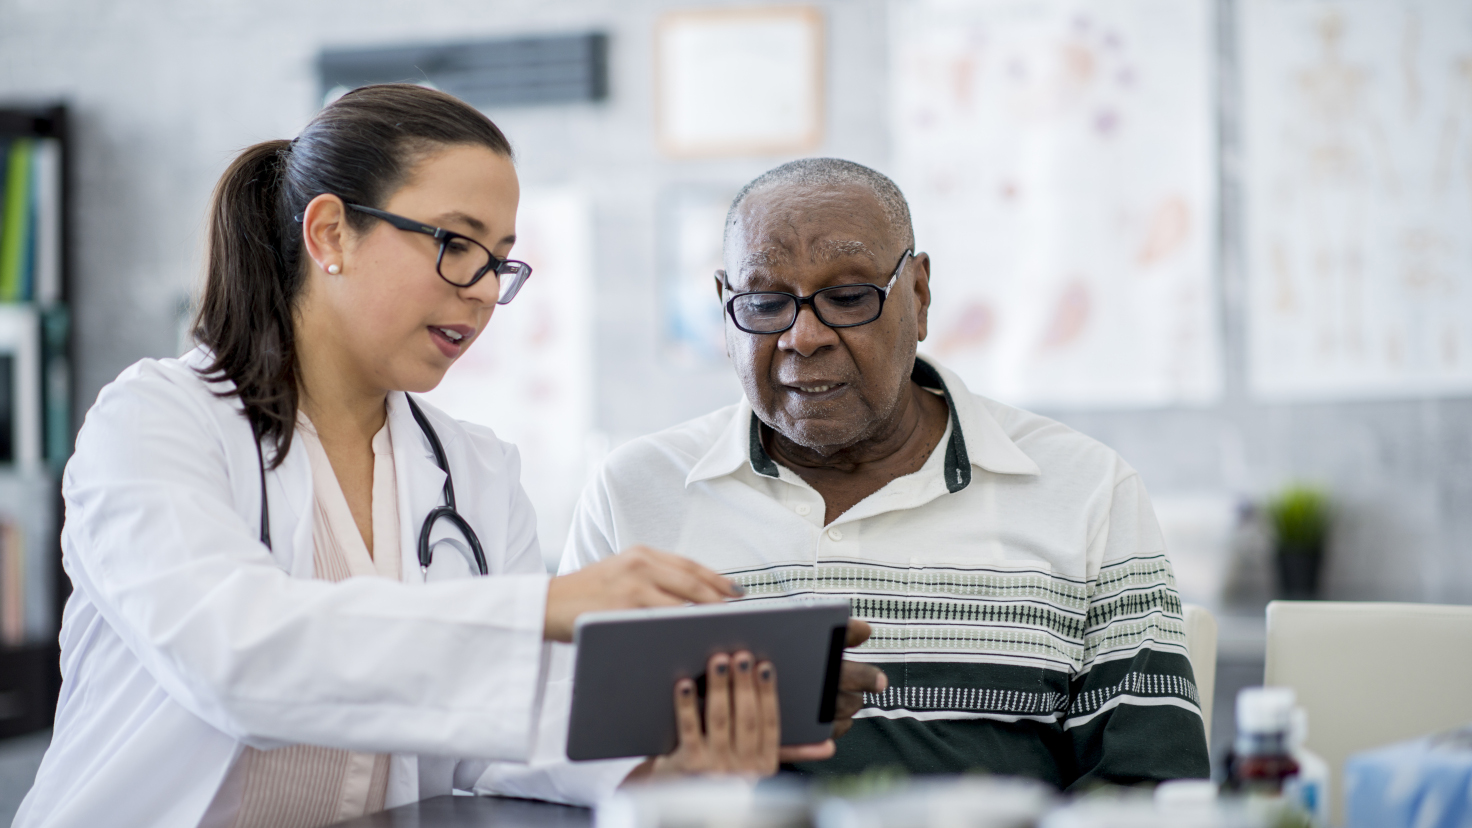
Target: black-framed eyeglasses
[(462, 261), (840, 306)]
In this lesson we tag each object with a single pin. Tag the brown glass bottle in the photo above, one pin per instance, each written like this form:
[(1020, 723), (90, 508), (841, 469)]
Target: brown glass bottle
[(1262, 758)]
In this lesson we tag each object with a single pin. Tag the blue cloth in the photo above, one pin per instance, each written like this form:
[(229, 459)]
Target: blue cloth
[(1426, 783)]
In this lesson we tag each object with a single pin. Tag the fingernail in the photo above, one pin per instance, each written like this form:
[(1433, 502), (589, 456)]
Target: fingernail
[(883, 682), (766, 674), (721, 669), (743, 665), (737, 589), (686, 689)]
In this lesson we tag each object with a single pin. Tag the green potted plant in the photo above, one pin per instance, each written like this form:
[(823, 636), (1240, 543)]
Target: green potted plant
[(1300, 518)]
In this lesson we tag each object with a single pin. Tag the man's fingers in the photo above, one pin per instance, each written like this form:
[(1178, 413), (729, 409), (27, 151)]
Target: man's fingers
[(858, 677), (858, 632), (848, 705), (806, 753)]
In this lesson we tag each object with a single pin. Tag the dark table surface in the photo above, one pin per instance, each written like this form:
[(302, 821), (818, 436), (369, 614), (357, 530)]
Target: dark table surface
[(476, 812)]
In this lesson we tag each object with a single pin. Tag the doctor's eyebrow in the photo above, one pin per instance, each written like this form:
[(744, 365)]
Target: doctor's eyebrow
[(477, 227)]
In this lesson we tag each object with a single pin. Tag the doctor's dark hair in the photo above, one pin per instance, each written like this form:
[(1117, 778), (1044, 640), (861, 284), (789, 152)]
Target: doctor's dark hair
[(361, 148)]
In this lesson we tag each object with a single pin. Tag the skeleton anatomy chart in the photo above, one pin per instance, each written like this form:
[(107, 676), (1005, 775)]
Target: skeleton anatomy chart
[(1059, 158), (1358, 151)]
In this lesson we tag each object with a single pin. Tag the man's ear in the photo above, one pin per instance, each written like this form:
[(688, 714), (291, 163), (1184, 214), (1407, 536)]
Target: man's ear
[(921, 269), (323, 231), (720, 285)]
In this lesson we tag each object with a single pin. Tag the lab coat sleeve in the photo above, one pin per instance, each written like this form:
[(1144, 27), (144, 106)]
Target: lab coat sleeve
[(549, 774), (523, 551), (154, 538)]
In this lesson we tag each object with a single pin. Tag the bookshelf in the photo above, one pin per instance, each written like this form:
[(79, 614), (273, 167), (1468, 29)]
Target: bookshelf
[(36, 418)]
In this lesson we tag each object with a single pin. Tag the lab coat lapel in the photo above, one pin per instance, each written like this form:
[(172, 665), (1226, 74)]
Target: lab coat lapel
[(420, 482)]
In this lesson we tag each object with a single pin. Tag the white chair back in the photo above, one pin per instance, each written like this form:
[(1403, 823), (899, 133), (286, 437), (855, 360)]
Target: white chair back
[(1201, 644), (1371, 673)]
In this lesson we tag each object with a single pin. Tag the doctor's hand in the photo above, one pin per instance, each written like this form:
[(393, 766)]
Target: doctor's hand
[(742, 735), (856, 679), (636, 578)]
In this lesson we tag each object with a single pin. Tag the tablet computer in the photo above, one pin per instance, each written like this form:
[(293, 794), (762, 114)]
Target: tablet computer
[(628, 662)]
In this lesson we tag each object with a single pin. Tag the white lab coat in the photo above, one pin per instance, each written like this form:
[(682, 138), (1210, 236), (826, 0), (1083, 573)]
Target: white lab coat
[(186, 640)]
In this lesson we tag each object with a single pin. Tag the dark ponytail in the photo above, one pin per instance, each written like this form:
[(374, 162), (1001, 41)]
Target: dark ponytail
[(361, 148)]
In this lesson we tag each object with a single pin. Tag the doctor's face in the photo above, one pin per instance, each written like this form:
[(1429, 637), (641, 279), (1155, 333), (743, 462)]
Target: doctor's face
[(398, 326)]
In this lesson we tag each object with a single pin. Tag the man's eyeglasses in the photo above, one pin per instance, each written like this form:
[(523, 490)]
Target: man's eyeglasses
[(840, 306), (463, 261)]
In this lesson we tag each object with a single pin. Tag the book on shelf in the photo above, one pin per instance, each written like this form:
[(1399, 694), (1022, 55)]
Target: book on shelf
[(21, 428), (30, 220), (12, 584)]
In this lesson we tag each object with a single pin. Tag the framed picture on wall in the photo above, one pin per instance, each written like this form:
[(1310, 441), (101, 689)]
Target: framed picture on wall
[(692, 220), (20, 387), (745, 81)]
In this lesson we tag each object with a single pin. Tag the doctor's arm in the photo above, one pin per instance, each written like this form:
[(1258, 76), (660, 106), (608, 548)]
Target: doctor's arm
[(639, 577), (155, 540)]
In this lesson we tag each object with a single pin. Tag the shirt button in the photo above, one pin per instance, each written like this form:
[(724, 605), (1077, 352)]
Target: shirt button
[(834, 534), (803, 509)]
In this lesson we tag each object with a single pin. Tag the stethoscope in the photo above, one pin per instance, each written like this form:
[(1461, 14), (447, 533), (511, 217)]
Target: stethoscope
[(445, 512)]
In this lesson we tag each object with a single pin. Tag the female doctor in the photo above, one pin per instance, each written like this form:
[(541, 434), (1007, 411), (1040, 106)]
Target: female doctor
[(272, 545)]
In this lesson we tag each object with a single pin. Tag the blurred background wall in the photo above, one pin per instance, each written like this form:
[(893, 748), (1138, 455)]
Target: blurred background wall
[(163, 93), (1347, 199)]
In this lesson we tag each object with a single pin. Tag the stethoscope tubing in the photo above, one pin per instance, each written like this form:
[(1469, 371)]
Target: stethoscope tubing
[(445, 512)]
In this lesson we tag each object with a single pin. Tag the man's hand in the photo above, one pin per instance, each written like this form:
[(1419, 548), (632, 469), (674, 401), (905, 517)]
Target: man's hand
[(635, 578), (856, 680)]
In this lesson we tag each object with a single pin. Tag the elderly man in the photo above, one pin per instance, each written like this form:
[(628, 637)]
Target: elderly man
[(1012, 569)]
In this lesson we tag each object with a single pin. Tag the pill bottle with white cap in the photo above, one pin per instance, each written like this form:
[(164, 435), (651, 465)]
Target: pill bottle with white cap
[(1262, 754)]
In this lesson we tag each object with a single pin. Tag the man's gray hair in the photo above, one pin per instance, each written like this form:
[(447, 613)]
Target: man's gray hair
[(833, 172)]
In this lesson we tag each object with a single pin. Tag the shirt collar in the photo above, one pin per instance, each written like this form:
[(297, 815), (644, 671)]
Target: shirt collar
[(977, 439)]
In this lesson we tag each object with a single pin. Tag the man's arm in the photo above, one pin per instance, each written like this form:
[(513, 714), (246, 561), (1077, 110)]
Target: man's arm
[(1134, 714)]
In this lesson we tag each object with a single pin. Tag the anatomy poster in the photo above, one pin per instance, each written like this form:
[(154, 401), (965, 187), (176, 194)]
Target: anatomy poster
[(529, 376), (1059, 159), (1357, 128)]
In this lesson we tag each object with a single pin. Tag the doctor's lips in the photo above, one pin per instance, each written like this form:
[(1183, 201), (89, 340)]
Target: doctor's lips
[(451, 339)]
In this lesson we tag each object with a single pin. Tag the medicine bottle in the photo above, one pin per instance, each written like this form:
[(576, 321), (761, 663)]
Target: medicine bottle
[(1262, 759)]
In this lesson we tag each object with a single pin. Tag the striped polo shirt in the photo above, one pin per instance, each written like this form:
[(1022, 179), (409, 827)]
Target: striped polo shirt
[(1022, 603)]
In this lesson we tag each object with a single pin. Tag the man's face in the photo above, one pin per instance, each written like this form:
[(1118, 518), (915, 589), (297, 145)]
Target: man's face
[(823, 388)]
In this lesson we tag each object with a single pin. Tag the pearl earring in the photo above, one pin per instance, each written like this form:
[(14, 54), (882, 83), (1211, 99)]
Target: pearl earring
[(334, 269)]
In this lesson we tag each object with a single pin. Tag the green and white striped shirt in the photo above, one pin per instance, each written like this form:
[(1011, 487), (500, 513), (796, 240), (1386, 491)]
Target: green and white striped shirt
[(1022, 603)]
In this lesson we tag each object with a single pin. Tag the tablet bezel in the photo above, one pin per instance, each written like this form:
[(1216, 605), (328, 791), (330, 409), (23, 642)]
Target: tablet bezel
[(632, 659)]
